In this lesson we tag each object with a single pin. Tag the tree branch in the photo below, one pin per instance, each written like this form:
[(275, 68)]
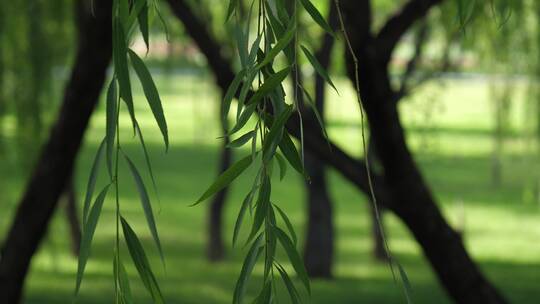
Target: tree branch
[(397, 25)]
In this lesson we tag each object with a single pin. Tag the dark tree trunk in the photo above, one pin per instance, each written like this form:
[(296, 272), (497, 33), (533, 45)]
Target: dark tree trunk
[(319, 247), (72, 217), (402, 190), (55, 163), (442, 245), (216, 247)]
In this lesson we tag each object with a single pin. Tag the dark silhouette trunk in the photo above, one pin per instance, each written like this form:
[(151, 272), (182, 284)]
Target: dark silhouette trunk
[(417, 208), (72, 217), (319, 246), (216, 247), (402, 188), (55, 164)]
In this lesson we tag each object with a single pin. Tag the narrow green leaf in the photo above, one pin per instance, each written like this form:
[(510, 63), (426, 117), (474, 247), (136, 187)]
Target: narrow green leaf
[(318, 67), (94, 172), (151, 93), (226, 178), (245, 205), (88, 234), (146, 157), (294, 257), (242, 140), (123, 281), (288, 224), (271, 83), (243, 119), (266, 294), (141, 262), (261, 209), (147, 207), (282, 43), (142, 17), (111, 122), (135, 12), (121, 67), (288, 149), (282, 166), (406, 283), (273, 138), (247, 268), (313, 106), (231, 92), (232, 7), (293, 293), (316, 16), (254, 142)]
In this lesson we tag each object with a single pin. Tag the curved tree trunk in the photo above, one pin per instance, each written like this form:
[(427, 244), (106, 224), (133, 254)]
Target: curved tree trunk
[(319, 247), (55, 163), (417, 208)]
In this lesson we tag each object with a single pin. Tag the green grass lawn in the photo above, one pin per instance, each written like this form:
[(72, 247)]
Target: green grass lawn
[(448, 128)]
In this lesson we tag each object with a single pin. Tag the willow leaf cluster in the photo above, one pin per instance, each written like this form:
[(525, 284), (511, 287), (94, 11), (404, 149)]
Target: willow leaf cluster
[(126, 16), (268, 55)]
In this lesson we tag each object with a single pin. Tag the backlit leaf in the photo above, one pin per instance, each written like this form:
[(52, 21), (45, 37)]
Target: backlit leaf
[(94, 172), (226, 178), (141, 262), (294, 257), (145, 201), (151, 93), (88, 234), (249, 262)]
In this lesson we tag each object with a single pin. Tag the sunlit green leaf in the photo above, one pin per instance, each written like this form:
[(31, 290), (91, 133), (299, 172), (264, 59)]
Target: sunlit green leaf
[(287, 223), (231, 92), (293, 293), (273, 137), (123, 281), (294, 257), (316, 16), (226, 178), (121, 67), (111, 122), (282, 43), (288, 149), (261, 208), (141, 262), (282, 166), (143, 24), (245, 205), (249, 262), (94, 172), (88, 234), (151, 93), (406, 283), (313, 106), (145, 201), (270, 84), (242, 140), (318, 67), (243, 119)]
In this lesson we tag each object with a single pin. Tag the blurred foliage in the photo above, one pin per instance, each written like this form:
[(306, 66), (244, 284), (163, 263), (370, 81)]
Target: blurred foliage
[(36, 40)]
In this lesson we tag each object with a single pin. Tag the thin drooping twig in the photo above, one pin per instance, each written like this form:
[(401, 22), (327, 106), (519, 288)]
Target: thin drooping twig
[(362, 125)]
